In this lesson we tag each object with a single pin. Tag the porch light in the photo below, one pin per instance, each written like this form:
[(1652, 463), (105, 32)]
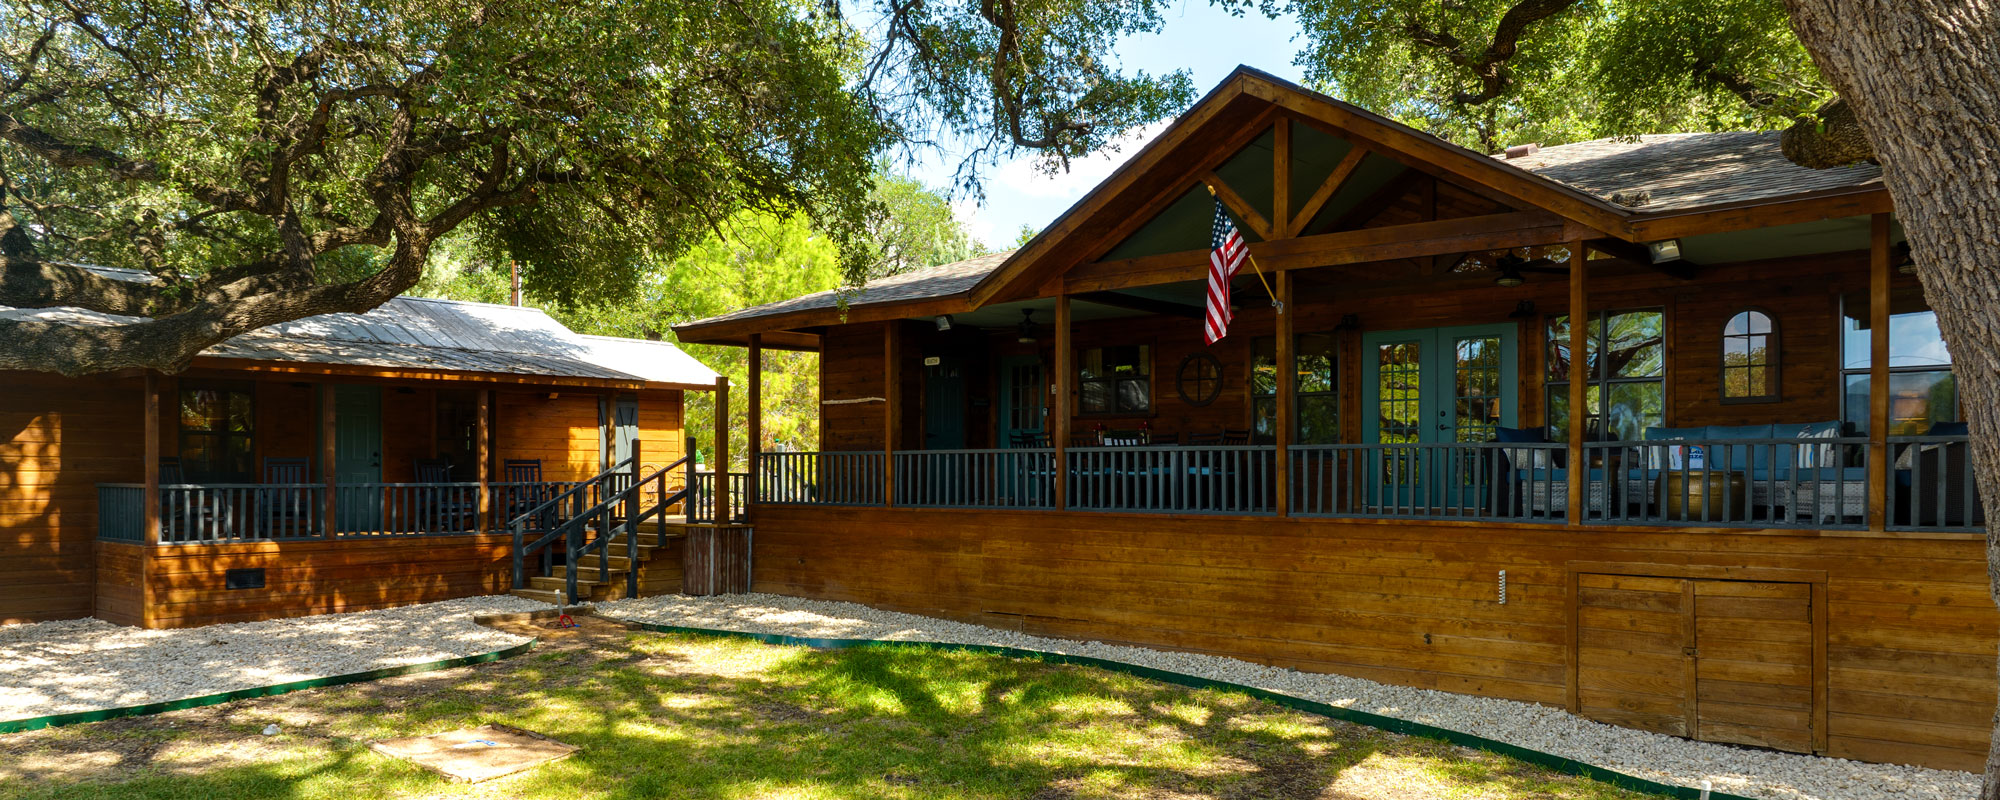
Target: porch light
[(1664, 250), (1026, 329), (1508, 280), (943, 322)]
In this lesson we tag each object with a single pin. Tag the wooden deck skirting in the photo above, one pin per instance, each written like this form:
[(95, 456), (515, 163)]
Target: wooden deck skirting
[(1902, 651)]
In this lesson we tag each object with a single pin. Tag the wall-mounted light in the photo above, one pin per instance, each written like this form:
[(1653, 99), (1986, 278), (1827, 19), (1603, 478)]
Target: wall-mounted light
[(1664, 250), (1900, 256), (943, 322)]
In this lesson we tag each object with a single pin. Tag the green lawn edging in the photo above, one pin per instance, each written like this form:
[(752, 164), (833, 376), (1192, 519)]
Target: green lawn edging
[(1563, 764), (77, 717)]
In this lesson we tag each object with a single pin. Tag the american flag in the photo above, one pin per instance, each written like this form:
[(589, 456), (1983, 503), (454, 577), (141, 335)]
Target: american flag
[(1227, 251)]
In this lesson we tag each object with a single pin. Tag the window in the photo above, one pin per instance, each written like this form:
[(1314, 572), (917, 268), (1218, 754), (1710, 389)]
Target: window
[(216, 426), (1625, 367), (1750, 358), (1921, 388), (1116, 380), (1318, 389)]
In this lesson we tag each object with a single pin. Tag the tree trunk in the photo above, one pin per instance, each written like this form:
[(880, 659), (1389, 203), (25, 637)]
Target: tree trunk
[(1921, 77)]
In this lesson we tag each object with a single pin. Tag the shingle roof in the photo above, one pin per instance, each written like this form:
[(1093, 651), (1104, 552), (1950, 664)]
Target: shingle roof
[(1682, 171), (923, 284), (431, 334)]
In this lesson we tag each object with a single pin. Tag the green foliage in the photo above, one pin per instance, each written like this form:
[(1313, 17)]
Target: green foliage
[(1594, 69)]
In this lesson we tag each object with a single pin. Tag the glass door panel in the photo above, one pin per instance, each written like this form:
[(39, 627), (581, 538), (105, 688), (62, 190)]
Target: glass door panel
[(1436, 386)]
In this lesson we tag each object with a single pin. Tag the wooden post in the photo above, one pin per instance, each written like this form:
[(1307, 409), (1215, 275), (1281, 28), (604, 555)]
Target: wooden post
[(1878, 372), (720, 471), (1281, 178), (1288, 379), (483, 449), (327, 431), (756, 426), (1065, 374), (1579, 380), (892, 408), (632, 506), (151, 448)]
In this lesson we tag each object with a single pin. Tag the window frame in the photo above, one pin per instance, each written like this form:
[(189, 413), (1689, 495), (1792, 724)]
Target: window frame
[(219, 439), (1146, 356), (1331, 394), (1773, 343), (1602, 382), (1863, 423)]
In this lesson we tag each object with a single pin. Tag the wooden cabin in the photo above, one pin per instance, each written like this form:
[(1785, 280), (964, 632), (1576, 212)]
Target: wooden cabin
[(337, 463), (1746, 516)]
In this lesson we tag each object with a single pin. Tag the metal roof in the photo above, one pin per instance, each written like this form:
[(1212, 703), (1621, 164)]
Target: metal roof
[(439, 335), (923, 284)]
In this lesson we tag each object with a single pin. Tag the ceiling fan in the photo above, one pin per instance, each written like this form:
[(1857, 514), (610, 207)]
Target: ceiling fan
[(1512, 266)]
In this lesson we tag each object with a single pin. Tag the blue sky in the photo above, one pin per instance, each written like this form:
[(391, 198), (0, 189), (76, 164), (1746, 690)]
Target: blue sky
[(1198, 37)]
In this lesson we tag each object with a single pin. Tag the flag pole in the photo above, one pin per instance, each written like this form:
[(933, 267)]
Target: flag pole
[(1275, 303)]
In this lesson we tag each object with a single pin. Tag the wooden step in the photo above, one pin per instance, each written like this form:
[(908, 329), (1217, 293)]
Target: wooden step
[(584, 590), (553, 597), (589, 575)]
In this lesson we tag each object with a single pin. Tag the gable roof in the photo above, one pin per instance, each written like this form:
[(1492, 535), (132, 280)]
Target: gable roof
[(429, 334), (1686, 174), (1685, 171)]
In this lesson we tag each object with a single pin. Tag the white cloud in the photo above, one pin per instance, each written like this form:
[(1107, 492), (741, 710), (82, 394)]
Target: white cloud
[(1021, 176)]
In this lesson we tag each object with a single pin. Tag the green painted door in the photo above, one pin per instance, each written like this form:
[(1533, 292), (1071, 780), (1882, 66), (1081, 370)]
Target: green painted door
[(1023, 411), (1434, 386), (357, 457), (944, 405)]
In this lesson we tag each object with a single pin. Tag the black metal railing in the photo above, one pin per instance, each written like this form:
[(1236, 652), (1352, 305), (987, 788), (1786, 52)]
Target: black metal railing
[(1173, 479), (1019, 478), (1471, 480), (235, 512), (852, 478), (1931, 486), (624, 505), (701, 502), (1819, 483)]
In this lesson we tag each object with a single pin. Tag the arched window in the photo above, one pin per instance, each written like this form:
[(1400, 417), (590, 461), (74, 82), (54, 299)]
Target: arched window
[(1750, 358)]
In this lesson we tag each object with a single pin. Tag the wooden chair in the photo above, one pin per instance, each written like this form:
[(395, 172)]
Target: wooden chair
[(525, 489), (1023, 441), (1163, 439), (445, 509), (285, 511), (1204, 438), (1234, 438)]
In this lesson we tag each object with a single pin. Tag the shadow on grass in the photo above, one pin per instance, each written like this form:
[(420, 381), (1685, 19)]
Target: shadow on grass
[(694, 717)]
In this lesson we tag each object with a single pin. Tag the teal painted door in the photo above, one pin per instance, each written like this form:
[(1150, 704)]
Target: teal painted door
[(944, 405), (1024, 396), (625, 428), (1434, 386), (357, 456)]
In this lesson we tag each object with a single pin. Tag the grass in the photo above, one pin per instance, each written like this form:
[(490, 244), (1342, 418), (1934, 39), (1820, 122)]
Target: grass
[(700, 717)]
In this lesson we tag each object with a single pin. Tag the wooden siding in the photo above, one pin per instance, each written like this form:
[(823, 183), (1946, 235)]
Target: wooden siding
[(185, 583), (561, 429), (121, 584), (64, 436), (1909, 634)]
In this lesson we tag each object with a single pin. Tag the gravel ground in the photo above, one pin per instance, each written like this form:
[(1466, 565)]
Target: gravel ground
[(1752, 773), (87, 664)]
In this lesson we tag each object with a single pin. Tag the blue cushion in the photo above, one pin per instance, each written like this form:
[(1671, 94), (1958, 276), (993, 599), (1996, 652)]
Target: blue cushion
[(1737, 432), (1788, 431), (1519, 435), (1830, 474), (1741, 456), (1948, 429), (1664, 434)]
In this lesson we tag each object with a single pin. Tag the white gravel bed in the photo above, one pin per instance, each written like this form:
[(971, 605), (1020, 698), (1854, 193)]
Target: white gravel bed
[(88, 664), (1666, 759)]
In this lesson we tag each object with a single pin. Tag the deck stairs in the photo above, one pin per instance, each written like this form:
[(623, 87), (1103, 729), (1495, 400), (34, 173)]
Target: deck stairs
[(578, 546)]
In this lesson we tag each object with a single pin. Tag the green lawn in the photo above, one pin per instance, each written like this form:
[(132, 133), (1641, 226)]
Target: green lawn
[(698, 717)]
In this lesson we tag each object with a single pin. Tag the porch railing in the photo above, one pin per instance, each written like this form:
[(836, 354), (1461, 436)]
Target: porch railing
[(1173, 479), (219, 512), (701, 503), (845, 478), (1023, 478), (1931, 485), (1819, 483), (1470, 480), (121, 512), (367, 510)]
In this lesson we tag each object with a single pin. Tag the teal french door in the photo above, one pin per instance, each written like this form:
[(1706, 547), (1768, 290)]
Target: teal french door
[(1023, 399), (1434, 386)]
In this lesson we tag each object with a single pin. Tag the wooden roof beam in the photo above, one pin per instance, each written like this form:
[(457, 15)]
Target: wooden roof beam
[(1236, 203), (1132, 302), (1327, 189)]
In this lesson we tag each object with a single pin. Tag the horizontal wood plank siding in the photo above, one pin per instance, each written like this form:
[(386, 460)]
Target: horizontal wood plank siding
[(63, 437), (1909, 624), (561, 429), (318, 577)]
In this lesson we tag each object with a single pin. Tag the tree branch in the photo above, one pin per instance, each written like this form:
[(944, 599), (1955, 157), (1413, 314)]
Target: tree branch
[(1490, 64)]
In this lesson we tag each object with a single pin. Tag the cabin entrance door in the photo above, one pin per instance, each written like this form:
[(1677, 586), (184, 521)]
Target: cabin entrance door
[(1024, 407), (357, 458), (944, 405), (1431, 388)]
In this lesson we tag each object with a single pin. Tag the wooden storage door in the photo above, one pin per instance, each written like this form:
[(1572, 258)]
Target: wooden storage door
[(1717, 660), (1754, 663), (1633, 668)]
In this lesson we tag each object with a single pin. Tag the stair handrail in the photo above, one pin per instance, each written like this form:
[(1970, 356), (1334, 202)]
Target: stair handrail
[(555, 503), (571, 531), (518, 524)]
